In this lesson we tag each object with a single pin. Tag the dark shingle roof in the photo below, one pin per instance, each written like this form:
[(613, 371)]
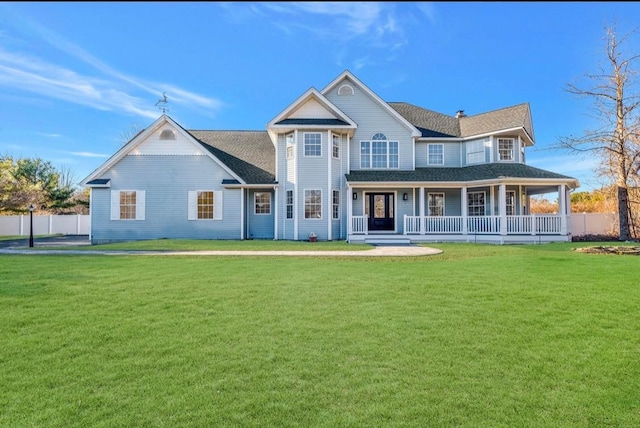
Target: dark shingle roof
[(321, 122), (434, 124), (250, 154), (464, 174)]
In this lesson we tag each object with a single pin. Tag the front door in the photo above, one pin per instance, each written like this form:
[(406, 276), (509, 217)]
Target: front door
[(379, 209)]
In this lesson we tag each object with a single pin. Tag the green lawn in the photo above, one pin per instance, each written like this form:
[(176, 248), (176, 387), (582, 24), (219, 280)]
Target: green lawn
[(478, 336)]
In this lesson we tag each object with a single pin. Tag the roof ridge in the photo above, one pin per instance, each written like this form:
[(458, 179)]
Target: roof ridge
[(495, 110)]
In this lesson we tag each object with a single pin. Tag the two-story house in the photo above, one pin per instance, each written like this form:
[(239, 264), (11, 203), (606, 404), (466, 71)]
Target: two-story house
[(340, 164)]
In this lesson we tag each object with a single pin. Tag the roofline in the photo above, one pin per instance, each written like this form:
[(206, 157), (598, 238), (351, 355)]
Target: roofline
[(414, 131), (571, 182)]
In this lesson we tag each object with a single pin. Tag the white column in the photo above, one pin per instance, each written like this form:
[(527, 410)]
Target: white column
[(421, 211), (329, 186), (562, 209), (276, 203), (502, 209), (464, 209), (349, 211), (242, 213)]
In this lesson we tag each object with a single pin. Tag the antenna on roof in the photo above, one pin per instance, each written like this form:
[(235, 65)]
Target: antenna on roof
[(163, 103)]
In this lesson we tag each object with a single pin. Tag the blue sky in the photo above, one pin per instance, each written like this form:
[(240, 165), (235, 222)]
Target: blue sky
[(76, 78)]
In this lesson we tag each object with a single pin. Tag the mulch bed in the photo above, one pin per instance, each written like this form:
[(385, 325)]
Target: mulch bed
[(634, 251)]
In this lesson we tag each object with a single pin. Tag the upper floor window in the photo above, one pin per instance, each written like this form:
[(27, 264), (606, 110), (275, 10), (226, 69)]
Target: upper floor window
[(345, 90), (289, 142), (475, 152), (505, 149), (262, 202), (167, 134), (435, 154), (379, 152), (336, 146), (313, 144)]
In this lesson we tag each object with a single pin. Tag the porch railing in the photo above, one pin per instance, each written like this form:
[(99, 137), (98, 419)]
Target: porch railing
[(359, 224), (535, 224)]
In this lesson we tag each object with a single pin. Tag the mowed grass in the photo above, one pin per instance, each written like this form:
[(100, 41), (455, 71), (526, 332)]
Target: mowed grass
[(478, 336)]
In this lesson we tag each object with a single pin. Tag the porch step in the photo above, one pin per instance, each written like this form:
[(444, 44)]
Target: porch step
[(391, 240)]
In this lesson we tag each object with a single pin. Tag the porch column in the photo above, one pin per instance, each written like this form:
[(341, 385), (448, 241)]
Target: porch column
[(421, 211), (464, 209), (562, 209), (242, 213), (349, 211), (502, 209), (276, 203)]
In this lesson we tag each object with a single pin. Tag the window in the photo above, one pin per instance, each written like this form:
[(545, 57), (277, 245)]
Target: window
[(345, 90), (379, 153), (435, 154), (262, 202), (313, 204), (127, 205), (435, 203), (336, 205), (167, 134), (475, 152), (204, 205), (289, 204), (475, 202), (336, 146), (505, 149), (511, 202), (313, 144), (289, 140)]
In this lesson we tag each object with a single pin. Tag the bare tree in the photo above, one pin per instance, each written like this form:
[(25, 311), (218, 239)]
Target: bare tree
[(130, 133), (615, 142)]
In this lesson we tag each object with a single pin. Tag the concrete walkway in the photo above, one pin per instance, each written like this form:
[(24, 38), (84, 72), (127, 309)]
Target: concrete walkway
[(378, 251), (53, 245)]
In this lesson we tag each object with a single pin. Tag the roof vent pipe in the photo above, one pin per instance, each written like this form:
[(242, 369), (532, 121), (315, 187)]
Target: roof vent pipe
[(460, 114)]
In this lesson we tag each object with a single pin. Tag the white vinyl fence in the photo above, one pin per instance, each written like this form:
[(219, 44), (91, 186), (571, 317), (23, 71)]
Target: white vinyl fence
[(45, 225), (594, 224)]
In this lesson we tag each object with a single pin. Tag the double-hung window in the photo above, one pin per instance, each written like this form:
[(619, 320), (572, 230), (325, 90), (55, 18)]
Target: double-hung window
[(475, 152), (313, 204), (336, 146), (313, 144), (289, 204), (379, 153), (336, 205), (505, 149), (204, 205), (262, 202), (289, 142), (475, 203), (435, 154)]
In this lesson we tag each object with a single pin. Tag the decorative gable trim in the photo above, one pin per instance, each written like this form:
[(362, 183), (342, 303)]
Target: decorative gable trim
[(339, 82)]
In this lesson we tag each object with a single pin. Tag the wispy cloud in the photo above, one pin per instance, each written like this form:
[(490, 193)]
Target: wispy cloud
[(110, 89), (89, 154)]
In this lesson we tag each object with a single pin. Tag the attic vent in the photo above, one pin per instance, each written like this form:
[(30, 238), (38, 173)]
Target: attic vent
[(167, 134), (346, 90)]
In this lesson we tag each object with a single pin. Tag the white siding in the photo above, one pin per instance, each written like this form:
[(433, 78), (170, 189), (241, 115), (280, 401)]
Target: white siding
[(312, 110)]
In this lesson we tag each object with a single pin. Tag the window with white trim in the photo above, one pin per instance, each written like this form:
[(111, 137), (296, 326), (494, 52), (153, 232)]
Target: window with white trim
[(435, 204), (289, 204), (511, 202), (379, 152), (313, 144), (336, 205), (476, 203), (336, 146), (204, 205), (289, 142), (505, 149), (475, 152), (262, 201), (127, 205), (313, 204), (435, 154)]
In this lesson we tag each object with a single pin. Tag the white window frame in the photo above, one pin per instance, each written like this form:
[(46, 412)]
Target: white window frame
[(509, 152), (335, 208), (289, 205), (192, 205), (429, 154), (316, 205), (481, 209), (335, 147), (116, 207), (289, 146), (475, 152), (312, 149), (261, 207), (431, 207), (368, 155)]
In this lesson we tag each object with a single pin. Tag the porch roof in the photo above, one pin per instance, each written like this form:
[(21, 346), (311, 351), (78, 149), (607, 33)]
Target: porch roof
[(466, 174)]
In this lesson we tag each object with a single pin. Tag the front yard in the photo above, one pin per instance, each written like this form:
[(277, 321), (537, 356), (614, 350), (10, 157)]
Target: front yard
[(480, 335)]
